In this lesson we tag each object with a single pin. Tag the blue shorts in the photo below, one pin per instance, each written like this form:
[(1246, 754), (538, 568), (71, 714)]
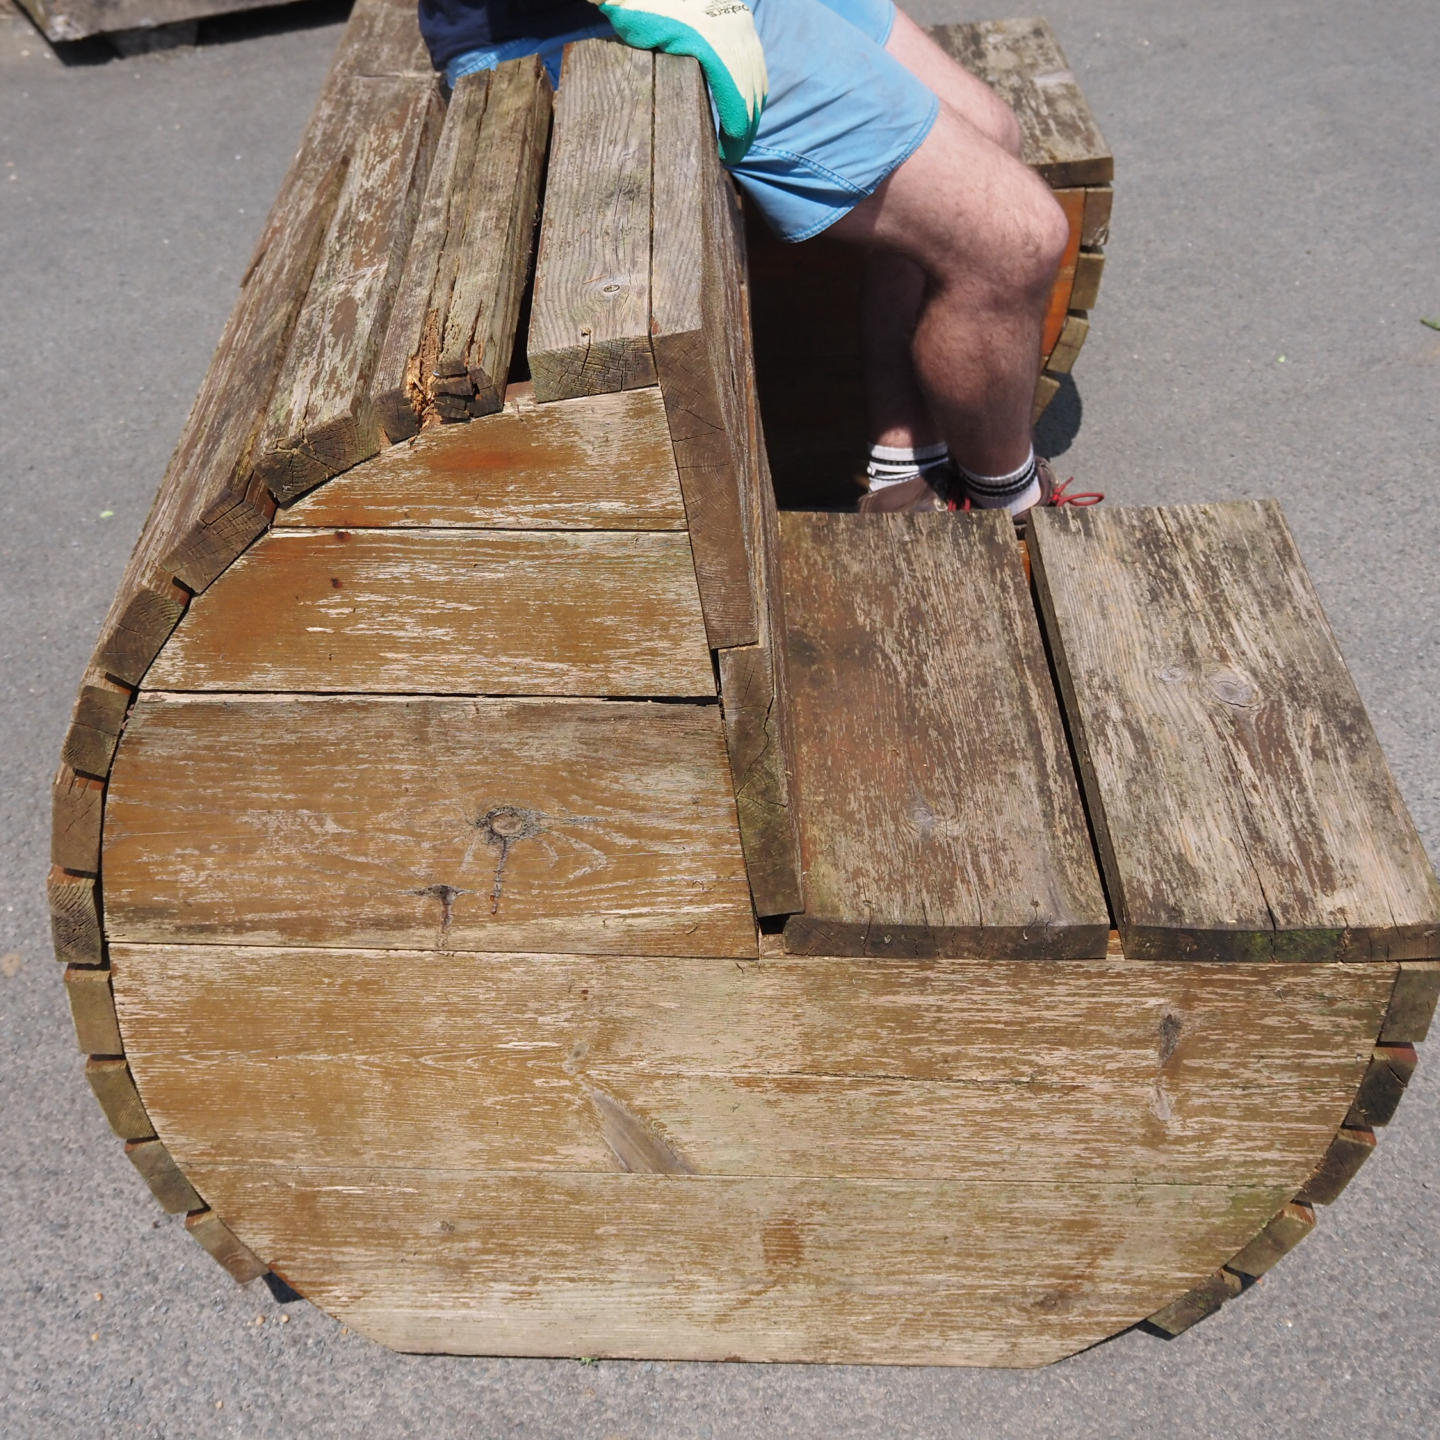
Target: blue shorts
[(842, 113)]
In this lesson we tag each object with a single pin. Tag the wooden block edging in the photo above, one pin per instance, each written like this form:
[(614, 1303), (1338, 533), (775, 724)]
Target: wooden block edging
[(1348, 1151), (177, 1196), (226, 1249), (1290, 1225), (1412, 1003), (1197, 1304)]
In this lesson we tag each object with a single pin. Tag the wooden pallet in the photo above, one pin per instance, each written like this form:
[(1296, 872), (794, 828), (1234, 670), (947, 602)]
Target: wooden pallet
[(461, 715)]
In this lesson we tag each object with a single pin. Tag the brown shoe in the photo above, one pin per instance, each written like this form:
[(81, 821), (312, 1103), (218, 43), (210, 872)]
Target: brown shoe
[(918, 495), (1053, 492)]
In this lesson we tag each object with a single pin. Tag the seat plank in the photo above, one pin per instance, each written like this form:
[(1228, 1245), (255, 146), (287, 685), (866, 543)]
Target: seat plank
[(1241, 801), (448, 612), (939, 812), (590, 318), (527, 825)]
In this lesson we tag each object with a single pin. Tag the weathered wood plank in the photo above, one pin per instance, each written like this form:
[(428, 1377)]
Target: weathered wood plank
[(114, 1088), (65, 20), (458, 304), (74, 919), (710, 1268), (971, 1071), (94, 729), (939, 812), (1099, 202), (601, 462), (213, 1235), (1047, 387), (1057, 310), (590, 318), (1412, 1006), (132, 640), (1383, 1086), (92, 1008), (1089, 267), (1349, 1150), (175, 1193), (1241, 802), (1289, 1226), (77, 804), (1023, 62), (449, 612), (426, 823), (321, 419), (1068, 345), (1197, 1304)]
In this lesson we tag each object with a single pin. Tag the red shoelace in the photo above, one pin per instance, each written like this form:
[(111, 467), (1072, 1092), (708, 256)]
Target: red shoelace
[(1061, 495)]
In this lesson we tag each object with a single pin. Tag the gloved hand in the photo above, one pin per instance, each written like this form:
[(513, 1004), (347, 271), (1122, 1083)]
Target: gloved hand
[(720, 34)]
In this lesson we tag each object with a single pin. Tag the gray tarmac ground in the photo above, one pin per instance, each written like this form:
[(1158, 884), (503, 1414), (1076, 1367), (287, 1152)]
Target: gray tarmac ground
[(1276, 243)]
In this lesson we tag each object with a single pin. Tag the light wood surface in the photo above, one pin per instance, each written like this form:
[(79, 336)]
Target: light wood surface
[(939, 812), (449, 612), (1241, 802), (590, 321), (601, 462), (528, 825)]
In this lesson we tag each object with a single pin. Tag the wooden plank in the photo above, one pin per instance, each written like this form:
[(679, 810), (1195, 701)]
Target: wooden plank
[(1089, 266), (114, 1088), (970, 1071), (590, 319), (94, 729), (1412, 1006), (696, 273), (923, 834), (601, 462), (212, 1234), (1289, 1226), (160, 1172), (1383, 1086), (469, 612), (458, 303), (133, 639), (66, 20), (1349, 1150), (1023, 62), (92, 1008), (1197, 1304), (1099, 201), (1059, 306), (702, 1267), (74, 918), (1047, 387), (1241, 802), (320, 418), (426, 823), (76, 808), (1068, 346)]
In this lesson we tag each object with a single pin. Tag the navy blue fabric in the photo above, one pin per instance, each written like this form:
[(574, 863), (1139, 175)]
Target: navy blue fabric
[(451, 27)]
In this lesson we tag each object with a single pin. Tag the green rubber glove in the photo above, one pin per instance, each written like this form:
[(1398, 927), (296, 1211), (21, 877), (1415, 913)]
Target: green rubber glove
[(720, 34)]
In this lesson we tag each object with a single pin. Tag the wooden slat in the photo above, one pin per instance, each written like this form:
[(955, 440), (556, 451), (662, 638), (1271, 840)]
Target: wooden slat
[(1022, 60), (1349, 1150), (114, 1088), (1412, 1006), (212, 1234), (1197, 1304), (175, 1193), (710, 1268), (939, 812), (74, 919), (133, 636), (76, 808), (1089, 266), (1047, 387), (1289, 1226), (1383, 1086), (94, 728), (590, 320), (65, 20), (1099, 201), (601, 462), (449, 612), (1068, 345), (452, 328), (973, 1071), (457, 824), (696, 274), (321, 419), (92, 1008), (1241, 802)]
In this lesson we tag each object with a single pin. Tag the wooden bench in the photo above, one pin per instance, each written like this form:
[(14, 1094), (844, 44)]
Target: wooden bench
[(536, 898)]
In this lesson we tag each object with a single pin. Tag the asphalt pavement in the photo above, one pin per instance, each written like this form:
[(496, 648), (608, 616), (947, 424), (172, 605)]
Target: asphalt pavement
[(1275, 247)]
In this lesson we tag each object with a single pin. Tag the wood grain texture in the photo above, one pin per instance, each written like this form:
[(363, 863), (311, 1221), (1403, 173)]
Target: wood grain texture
[(134, 635), (939, 812), (1099, 203), (95, 726), (65, 20), (212, 1234), (601, 462), (1412, 1006), (321, 419), (1241, 802), (590, 319), (114, 1088), (1068, 345), (593, 826), (1383, 1086), (158, 1169), (1197, 1304), (1289, 1226), (449, 612), (74, 918), (1023, 62), (1047, 387), (693, 1267), (971, 1071), (451, 330), (92, 1008), (1089, 267), (1348, 1151), (77, 805)]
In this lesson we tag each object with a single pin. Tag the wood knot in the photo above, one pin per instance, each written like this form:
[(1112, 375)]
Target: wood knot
[(1231, 687)]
